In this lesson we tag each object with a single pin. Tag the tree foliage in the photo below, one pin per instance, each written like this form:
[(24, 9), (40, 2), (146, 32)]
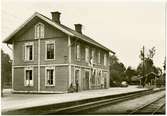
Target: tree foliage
[(117, 70), (6, 69)]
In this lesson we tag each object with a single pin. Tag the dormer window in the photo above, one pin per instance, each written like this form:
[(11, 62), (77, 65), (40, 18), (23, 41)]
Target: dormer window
[(39, 31)]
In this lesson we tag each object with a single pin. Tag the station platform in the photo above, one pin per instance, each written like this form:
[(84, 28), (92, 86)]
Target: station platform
[(19, 101)]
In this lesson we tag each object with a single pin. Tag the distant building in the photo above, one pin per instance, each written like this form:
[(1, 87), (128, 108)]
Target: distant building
[(50, 57)]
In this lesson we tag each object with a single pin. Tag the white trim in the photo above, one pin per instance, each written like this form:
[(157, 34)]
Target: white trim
[(42, 29), (78, 52), (69, 58), (99, 57), (57, 65), (51, 68), (25, 69), (25, 52), (105, 59), (50, 42), (39, 60), (87, 55), (93, 55)]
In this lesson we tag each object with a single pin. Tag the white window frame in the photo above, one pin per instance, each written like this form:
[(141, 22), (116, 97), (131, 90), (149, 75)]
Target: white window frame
[(99, 57), (26, 57), (25, 69), (50, 68), (39, 31), (105, 59), (93, 55), (87, 54), (50, 42), (78, 52)]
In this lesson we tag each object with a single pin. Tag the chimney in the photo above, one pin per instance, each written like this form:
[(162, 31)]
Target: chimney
[(78, 28), (56, 16)]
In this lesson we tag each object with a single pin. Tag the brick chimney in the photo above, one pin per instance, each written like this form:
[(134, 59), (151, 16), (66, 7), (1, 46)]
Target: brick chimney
[(56, 16), (78, 28)]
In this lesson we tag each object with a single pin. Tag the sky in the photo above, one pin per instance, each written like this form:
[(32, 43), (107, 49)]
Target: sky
[(122, 26)]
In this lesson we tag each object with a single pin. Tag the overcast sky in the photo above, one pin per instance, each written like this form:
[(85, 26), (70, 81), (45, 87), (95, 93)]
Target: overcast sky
[(124, 27)]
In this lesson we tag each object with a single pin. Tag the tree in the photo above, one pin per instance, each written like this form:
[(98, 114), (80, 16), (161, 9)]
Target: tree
[(6, 71), (117, 70), (147, 64), (130, 73)]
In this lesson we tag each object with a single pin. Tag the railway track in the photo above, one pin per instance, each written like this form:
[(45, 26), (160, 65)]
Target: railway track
[(153, 107), (81, 106)]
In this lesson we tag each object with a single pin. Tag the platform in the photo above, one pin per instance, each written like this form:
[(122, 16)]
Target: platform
[(18, 101)]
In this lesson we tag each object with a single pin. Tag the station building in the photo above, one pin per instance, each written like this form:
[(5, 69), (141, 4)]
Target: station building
[(50, 57)]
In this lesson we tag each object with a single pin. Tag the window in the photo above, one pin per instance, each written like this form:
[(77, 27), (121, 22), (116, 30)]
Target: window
[(87, 54), (50, 76), (28, 77), (78, 52), (29, 51), (50, 50), (99, 57), (93, 55), (105, 59), (39, 31)]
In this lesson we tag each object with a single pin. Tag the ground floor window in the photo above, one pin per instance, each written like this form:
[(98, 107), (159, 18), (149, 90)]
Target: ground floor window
[(50, 76), (28, 76)]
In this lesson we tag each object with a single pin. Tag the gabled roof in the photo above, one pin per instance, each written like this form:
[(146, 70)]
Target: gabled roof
[(61, 27)]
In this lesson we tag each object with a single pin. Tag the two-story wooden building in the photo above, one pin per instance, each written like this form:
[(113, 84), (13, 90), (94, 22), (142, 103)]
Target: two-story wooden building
[(50, 57)]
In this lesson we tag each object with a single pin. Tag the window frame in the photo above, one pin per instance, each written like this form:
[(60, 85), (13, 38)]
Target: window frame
[(93, 55), (25, 69), (78, 53), (41, 30), (50, 42), (99, 57), (87, 55), (105, 59), (25, 51), (46, 76)]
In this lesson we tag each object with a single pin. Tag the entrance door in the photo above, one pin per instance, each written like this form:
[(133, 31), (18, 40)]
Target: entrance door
[(77, 74), (86, 80)]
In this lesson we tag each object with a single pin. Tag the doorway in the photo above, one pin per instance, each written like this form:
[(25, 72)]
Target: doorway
[(86, 80)]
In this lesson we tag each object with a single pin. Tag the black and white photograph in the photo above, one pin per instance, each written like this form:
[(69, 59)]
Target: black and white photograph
[(83, 57)]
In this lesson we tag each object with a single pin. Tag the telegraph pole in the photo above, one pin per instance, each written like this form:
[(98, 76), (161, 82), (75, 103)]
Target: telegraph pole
[(143, 67)]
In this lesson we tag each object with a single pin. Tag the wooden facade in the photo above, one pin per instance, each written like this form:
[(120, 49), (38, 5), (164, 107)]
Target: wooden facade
[(68, 65)]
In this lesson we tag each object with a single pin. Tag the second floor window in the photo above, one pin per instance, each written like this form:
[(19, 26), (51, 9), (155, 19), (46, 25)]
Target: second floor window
[(39, 31), (105, 59), (28, 56), (50, 50), (78, 52), (99, 59), (93, 55), (87, 54)]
